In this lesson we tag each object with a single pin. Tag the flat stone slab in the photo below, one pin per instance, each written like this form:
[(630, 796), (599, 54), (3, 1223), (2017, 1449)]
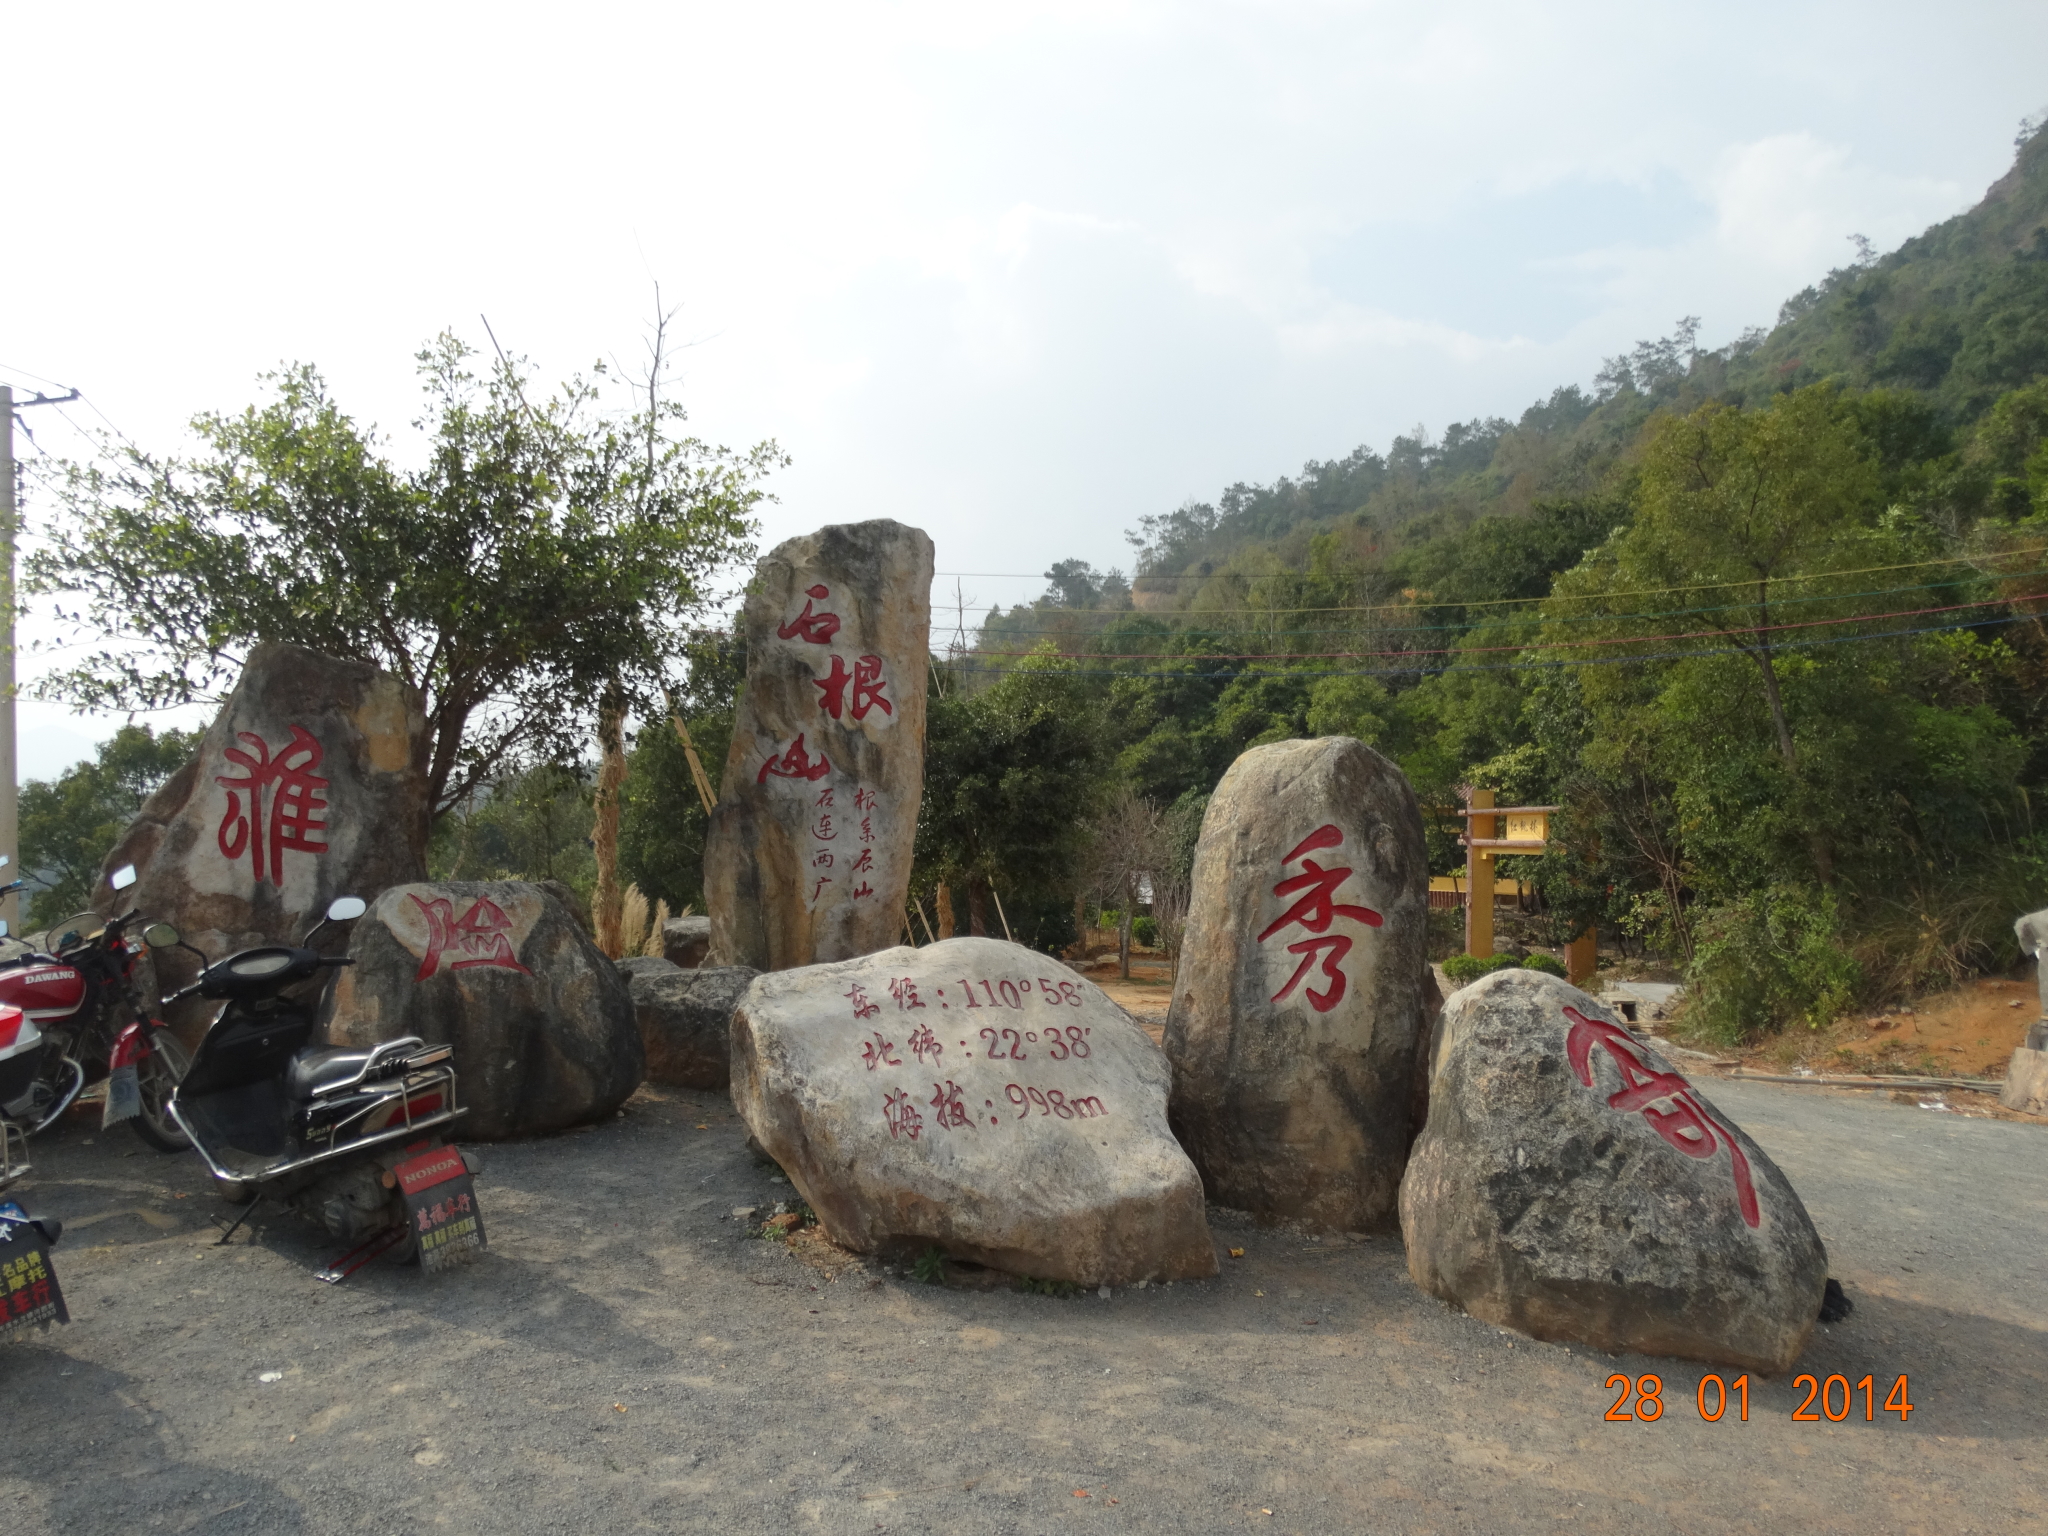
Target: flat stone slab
[(975, 1097)]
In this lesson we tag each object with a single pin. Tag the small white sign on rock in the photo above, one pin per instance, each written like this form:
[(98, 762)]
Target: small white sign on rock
[(976, 1097)]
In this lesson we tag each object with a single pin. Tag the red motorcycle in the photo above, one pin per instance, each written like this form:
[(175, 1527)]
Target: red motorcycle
[(82, 997)]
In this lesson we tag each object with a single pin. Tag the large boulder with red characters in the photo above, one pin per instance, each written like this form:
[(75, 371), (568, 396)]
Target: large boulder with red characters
[(310, 784), (1303, 990), (1573, 1185), (808, 854), (542, 1022)]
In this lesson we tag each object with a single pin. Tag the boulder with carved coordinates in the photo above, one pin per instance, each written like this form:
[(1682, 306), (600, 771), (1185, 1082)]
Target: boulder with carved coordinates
[(541, 1021), (1570, 1184), (808, 854), (310, 784), (974, 1097), (1301, 992)]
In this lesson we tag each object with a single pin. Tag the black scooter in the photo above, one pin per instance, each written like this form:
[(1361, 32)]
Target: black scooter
[(322, 1129)]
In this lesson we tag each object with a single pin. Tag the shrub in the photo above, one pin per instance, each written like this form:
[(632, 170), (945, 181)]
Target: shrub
[(1549, 965), (1768, 960), (1468, 968), (1144, 931)]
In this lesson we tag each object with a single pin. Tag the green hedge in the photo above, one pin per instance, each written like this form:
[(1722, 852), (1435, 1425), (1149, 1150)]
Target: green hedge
[(1468, 968)]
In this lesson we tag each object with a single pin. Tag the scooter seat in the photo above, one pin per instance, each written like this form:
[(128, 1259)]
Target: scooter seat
[(314, 1068)]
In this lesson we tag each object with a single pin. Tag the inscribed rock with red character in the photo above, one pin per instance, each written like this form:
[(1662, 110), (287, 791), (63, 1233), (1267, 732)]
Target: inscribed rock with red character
[(1299, 999), (808, 855), (1572, 1184)]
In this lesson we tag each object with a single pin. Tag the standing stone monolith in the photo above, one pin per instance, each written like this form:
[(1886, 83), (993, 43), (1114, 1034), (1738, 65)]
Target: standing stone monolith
[(310, 784), (808, 854), (1572, 1185), (1301, 991)]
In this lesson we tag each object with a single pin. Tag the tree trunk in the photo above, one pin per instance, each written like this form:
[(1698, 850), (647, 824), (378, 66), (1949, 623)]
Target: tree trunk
[(944, 902), (607, 902), (1123, 930), (977, 907)]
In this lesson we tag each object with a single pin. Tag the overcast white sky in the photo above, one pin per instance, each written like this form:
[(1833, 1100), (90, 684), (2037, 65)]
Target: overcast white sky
[(1020, 274)]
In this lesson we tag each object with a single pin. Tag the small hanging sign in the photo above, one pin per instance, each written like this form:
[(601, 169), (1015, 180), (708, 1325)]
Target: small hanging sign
[(29, 1295), (440, 1207)]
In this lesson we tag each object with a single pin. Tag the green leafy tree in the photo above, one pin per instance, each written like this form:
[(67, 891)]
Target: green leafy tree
[(69, 823), (662, 827), (547, 554), (1011, 775)]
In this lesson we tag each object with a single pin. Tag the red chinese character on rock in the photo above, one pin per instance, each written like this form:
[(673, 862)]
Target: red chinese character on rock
[(862, 891), (867, 688), (295, 803), (863, 1006), (823, 860), (796, 763), (824, 800), (1687, 1125), (902, 1115), (867, 829), (824, 831), (866, 678), (1315, 911), (823, 881), (817, 628), (923, 1042), (865, 862), (876, 1051), (864, 799), (904, 990), (946, 1101), (482, 936)]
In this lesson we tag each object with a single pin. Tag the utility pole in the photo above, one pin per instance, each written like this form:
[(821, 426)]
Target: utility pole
[(10, 817)]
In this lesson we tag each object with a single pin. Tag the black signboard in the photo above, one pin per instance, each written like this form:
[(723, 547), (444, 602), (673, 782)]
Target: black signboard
[(29, 1296), (440, 1207)]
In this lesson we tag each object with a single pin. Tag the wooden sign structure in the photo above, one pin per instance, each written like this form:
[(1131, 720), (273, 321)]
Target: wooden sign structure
[(1527, 831)]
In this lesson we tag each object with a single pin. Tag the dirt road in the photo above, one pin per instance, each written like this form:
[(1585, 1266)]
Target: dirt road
[(625, 1358)]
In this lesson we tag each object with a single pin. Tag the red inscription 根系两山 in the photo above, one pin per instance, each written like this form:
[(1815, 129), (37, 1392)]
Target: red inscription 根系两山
[(815, 628), (1315, 911), (795, 763), (1687, 1125), (482, 936), (295, 803)]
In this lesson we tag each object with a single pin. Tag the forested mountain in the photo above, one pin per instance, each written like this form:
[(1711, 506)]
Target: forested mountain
[(1764, 618)]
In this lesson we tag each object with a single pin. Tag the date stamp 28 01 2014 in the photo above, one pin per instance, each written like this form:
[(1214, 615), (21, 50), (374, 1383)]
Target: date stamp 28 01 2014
[(1642, 1399)]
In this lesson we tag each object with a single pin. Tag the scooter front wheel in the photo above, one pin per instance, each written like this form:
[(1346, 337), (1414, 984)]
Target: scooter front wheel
[(156, 1075)]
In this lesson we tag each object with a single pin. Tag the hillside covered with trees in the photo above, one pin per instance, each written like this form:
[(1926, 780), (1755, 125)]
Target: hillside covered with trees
[(1764, 619)]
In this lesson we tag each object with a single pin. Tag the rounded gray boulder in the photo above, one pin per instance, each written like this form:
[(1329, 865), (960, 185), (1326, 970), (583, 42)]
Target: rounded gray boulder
[(541, 1021), (1571, 1185)]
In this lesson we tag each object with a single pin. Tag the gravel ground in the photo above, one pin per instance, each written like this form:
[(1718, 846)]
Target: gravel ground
[(625, 1357)]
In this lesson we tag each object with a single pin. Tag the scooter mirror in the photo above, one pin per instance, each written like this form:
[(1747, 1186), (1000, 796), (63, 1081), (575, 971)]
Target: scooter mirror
[(122, 878), (346, 909), (160, 936)]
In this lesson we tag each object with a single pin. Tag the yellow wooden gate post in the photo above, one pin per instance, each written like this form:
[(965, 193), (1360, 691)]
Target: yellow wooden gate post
[(1478, 878)]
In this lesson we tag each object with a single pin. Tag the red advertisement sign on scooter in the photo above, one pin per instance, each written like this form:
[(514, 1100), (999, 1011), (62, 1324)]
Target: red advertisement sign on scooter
[(440, 1207)]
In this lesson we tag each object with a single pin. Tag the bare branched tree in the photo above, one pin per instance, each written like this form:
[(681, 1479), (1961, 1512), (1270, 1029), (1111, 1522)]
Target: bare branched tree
[(1127, 846)]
